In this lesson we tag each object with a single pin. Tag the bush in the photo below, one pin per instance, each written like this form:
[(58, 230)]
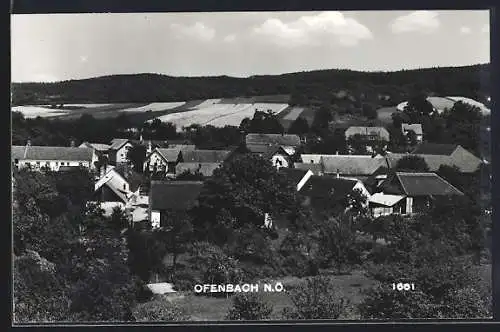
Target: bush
[(316, 298), (214, 265), (158, 310), (186, 280), (385, 303), (467, 303), (249, 306)]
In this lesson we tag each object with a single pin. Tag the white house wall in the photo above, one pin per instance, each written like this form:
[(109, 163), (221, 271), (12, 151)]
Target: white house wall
[(277, 159), (52, 164), (155, 158), (121, 154), (155, 219)]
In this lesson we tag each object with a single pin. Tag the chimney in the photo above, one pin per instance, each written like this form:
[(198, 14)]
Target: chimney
[(28, 143), (140, 138), (336, 153), (150, 147), (72, 143), (338, 174)]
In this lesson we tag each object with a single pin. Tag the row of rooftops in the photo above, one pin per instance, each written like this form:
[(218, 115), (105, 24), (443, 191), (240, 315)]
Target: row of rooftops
[(434, 155)]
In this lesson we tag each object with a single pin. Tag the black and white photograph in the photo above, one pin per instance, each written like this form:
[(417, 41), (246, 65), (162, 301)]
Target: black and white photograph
[(227, 167)]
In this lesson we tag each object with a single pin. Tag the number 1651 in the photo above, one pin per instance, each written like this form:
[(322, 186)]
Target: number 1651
[(400, 286)]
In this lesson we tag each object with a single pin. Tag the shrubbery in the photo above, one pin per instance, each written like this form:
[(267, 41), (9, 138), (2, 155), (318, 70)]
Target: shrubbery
[(159, 310), (249, 306), (316, 298)]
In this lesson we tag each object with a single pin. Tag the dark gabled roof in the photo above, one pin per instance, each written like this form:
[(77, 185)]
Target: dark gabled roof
[(117, 143), (324, 186), (424, 184), (206, 169), (273, 150), (204, 156), (293, 174), (260, 143), (435, 149), (51, 153), (175, 195)]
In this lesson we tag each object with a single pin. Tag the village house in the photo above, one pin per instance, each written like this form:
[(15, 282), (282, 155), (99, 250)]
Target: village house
[(163, 160), (111, 190), (54, 158), (407, 193), (369, 135), (171, 196), (118, 150), (436, 155), (278, 148), (321, 191), (316, 169), (415, 128), (101, 150), (202, 161), (205, 169), (357, 166), (280, 156)]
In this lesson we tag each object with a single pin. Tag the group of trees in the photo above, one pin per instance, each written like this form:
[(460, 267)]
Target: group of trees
[(70, 263), (459, 125)]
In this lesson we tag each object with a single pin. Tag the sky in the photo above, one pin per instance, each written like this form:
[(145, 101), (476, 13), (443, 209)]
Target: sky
[(56, 47)]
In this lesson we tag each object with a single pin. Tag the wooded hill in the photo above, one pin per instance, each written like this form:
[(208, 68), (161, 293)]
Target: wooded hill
[(305, 88)]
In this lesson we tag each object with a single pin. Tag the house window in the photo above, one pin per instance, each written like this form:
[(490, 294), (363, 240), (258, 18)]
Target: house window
[(16, 161), (124, 186), (80, 164)]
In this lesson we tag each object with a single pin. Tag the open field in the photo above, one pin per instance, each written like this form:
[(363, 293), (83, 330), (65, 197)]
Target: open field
[(154, 107), (384, 114), (219, 115), (206, 308)]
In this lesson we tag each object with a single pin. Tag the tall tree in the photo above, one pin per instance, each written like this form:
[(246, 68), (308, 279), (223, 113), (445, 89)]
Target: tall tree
[(136, 155)]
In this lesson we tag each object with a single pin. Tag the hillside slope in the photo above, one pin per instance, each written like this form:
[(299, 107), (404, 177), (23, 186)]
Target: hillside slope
[(314, 87)]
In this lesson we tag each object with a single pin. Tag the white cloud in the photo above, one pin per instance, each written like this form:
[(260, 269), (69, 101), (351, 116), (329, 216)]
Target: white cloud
[(198, 30), (465, 30), (421, 21), (314, 30), (485, 28), (230, 38)]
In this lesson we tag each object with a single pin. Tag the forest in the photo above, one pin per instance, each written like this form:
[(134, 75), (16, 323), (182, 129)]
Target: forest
[(304, 88)]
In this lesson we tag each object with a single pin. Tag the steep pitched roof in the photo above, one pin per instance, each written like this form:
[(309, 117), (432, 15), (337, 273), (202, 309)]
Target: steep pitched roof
[(204, 156), (293, 174), (117, 143), (378, 131), (169, 154), (259, 143), (435, 149), (352, 164), (425, 184), (176, 195), (324, 186), (415, 127), (207, 169), (51, 153), (113, 180)]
